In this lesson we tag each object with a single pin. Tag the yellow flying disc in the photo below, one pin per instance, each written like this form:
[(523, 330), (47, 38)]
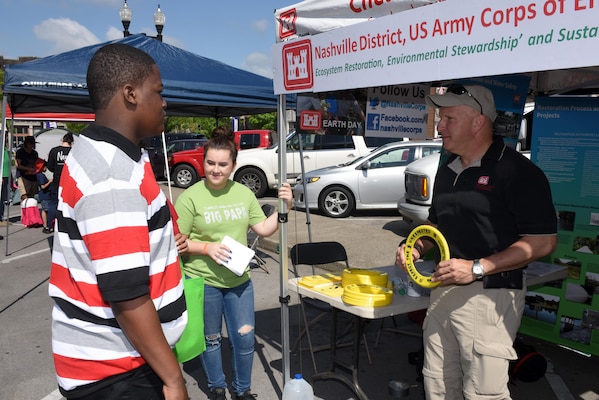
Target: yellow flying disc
[(430, 232)]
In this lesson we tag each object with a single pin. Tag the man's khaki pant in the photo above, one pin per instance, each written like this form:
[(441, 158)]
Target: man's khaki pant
[(469, 334), (27, 188)]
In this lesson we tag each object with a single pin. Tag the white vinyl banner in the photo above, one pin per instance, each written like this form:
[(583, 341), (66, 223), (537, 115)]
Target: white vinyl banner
[(442, 41), (310, 17)]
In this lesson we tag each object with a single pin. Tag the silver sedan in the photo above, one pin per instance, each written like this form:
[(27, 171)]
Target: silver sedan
[(372, 182)]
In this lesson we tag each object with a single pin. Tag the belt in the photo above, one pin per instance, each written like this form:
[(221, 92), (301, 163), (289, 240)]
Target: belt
[(513, 279)]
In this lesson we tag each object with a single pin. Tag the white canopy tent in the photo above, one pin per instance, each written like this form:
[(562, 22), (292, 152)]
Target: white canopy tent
[(399, 42)]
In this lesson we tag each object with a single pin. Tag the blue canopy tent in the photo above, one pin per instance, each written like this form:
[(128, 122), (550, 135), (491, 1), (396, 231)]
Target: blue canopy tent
[(193, 85)]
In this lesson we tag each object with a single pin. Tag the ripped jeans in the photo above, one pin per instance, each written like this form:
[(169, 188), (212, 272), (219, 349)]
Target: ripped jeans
[(237, 305)]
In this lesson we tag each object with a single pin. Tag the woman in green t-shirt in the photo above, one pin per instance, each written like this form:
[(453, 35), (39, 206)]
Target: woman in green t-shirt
[(207, 212)]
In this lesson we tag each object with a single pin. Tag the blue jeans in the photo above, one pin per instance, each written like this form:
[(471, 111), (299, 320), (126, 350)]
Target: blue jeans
[(237, 306)]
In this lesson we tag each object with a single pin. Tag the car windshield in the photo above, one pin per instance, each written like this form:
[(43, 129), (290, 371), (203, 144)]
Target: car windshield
[(355, 160), (287, 140)]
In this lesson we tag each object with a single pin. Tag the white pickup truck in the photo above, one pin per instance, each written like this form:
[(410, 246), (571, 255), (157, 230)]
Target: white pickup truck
[(258, 169), (419, 178)]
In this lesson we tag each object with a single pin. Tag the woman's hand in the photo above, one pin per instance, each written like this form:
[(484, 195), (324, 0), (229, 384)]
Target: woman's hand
[(219, 252), (286, 194)]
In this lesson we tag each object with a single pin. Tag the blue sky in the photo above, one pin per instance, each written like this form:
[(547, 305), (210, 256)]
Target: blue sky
[(237, 32)]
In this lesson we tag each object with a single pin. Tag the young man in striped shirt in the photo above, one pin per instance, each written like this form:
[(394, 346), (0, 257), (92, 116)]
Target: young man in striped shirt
[(115, 279)]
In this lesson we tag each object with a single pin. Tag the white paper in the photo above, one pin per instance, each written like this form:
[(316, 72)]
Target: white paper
[(241, 256)]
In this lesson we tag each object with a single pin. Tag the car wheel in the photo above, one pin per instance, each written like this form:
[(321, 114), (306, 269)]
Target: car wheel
[(184, 176), (254, 179), (336, 202)]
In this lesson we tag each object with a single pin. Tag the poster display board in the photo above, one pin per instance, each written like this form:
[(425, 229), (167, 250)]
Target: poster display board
[(394, 111), (332, 113), (566, 148), (397, 111), (509, 92)]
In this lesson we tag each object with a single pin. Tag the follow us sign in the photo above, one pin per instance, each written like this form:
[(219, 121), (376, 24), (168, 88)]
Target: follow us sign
[(397, 111)]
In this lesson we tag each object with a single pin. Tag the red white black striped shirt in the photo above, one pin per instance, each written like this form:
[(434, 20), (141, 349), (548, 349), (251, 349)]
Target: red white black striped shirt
[(114, 242)]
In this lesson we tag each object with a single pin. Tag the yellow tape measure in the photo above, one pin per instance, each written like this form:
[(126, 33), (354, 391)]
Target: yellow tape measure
[(357, 294), (430, 232)]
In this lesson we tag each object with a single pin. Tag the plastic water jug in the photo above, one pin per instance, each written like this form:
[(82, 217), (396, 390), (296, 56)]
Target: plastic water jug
[(298, 389)]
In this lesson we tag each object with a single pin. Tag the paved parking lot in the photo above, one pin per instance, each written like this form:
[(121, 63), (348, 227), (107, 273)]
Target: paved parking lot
[(25, 353)]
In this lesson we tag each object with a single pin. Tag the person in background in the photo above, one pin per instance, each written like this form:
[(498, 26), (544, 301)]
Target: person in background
[(495, 209), (58, 155), (56, 159), (208, 211), (26, 158), (115, 276), (45, 195)]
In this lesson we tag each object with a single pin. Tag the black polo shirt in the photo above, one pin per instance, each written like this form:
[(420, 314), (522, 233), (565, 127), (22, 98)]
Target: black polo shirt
[(484, 209)]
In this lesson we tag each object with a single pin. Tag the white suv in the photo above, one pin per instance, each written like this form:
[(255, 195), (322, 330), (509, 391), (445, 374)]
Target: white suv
[(258, 169), (419, 179)]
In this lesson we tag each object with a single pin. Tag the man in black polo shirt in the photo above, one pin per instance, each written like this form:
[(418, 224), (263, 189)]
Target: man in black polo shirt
[(494, 207)]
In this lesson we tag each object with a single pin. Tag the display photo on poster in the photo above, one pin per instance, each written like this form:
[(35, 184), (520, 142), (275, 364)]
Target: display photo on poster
[(572, 264), (332, 113), (573, 329), (580, 330), (541, 307)]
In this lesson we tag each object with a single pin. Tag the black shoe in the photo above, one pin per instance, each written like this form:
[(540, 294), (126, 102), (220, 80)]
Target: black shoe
[(1, 237), (247, 395), (47, 230), (218, 394)]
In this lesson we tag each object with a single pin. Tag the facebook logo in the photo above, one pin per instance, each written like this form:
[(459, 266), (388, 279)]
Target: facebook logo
[(373, 122)]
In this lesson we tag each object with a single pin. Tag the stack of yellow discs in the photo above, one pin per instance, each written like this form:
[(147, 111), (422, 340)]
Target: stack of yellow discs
[(363, 295), (314, 281), (363, 276)]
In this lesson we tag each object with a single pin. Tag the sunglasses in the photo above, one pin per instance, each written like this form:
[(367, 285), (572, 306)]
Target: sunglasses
[(459, 90)]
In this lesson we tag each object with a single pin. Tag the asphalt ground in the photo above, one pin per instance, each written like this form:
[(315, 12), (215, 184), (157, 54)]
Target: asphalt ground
[(27, 373)]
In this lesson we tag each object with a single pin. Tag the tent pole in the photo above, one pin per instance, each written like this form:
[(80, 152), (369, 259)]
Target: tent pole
[(10, 134), (168, 172), (6, 210), (303, 173), (283, 251)]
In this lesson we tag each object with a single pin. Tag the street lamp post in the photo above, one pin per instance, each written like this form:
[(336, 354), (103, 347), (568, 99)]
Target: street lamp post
[(159, 20), (126, 14)]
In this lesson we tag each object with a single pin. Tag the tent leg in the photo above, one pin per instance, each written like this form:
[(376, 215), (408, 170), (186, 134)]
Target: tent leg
[(283, 251), (303, 171), (4, 138)]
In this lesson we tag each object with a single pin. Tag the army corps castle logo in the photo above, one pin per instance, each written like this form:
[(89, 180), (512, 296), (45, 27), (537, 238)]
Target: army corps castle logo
[(297, 65)]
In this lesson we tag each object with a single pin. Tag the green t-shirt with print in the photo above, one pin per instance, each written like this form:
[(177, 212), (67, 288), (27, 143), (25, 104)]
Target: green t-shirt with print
[(6, 165), (207, 215)]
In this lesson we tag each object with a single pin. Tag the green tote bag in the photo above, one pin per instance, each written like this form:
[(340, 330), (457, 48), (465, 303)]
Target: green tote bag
[(192, 342)]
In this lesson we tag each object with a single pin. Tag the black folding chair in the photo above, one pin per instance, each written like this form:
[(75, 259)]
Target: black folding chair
[(313, 254), (254, 239)]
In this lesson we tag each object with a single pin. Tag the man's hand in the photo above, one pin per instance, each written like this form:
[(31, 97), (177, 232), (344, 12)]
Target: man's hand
[(455, 271)]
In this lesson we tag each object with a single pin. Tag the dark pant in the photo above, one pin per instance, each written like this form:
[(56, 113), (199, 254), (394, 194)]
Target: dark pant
[(144, 384), (3, 196), (52, 209)]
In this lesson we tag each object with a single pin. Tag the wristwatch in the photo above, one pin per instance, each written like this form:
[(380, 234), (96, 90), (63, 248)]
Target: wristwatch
[(477, 269)]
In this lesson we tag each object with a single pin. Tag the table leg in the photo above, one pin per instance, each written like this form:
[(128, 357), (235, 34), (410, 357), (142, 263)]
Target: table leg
[(353, 384)]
